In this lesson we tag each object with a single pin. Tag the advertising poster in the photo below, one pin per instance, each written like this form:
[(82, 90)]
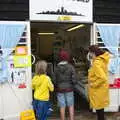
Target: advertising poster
[(22, 61), (61, 10)]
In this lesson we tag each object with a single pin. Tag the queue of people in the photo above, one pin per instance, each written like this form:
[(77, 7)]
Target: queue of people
[(64, 81)]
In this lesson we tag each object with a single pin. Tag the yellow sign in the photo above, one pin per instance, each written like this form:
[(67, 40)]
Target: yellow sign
[(64, 18), (22, 61), (21, 50)]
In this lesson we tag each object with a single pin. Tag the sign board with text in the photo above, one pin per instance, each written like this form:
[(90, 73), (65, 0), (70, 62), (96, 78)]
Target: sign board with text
[(62, 10)]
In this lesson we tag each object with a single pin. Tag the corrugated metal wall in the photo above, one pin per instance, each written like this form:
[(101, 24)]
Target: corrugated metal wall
[(14, 10), (107, 11)]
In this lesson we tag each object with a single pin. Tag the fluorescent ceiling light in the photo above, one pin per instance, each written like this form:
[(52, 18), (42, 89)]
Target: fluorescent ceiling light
[(46, 33), (76, 27)]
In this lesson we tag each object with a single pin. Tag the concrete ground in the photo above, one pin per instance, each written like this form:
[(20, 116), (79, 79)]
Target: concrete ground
[(83, 113), (90, 116)]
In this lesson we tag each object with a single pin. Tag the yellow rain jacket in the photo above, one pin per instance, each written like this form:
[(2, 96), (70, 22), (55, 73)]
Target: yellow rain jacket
[(42, 85), (98, 89)]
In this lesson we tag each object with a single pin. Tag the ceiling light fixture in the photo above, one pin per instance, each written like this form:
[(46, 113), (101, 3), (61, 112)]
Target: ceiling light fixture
[(46, 33), (76, 27)]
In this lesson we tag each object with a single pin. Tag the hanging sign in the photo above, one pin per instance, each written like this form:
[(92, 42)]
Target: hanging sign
[(22, 61), (64, 18), (21, 50), (61, 10)]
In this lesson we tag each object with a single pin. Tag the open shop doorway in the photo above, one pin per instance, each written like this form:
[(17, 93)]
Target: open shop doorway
[(47, 38)]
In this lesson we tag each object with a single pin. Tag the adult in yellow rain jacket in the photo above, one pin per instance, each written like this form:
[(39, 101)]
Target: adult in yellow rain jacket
[(98, 87)]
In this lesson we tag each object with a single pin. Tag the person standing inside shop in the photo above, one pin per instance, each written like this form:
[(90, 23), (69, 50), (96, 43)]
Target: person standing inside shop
[(98, 87), (42, 85), (65, 78)]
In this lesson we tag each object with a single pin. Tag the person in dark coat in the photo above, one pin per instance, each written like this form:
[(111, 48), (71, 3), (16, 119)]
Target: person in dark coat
[(65, 78)]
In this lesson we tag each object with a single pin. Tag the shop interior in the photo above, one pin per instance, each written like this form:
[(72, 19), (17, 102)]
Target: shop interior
[(47, 39)]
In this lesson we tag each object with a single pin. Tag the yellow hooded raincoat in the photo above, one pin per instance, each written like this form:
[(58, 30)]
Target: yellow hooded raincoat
[(98, 89)]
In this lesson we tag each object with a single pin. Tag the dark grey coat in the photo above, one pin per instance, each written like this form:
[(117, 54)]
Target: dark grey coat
[(65, 76)]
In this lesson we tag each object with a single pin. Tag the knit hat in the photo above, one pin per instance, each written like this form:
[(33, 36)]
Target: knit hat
[(64, 55)]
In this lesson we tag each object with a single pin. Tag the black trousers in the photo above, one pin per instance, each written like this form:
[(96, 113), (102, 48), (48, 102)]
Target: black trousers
[(100, 114)]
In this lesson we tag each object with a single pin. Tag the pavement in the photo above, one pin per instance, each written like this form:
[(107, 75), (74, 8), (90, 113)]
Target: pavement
[(86, 115), (83, 112)]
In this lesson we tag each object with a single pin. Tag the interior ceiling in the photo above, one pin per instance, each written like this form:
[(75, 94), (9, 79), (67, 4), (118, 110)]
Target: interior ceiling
[(51, 27)]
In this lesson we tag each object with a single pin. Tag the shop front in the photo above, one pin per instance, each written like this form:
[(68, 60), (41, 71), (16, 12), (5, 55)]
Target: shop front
[(64, 24), (54, 25)]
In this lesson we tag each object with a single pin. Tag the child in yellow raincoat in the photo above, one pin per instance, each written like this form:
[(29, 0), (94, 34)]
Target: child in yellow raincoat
[(42, 85), (98, 87)]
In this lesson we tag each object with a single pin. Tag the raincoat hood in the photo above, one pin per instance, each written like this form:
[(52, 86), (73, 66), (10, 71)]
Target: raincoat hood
[(105, 56), (62, 66)]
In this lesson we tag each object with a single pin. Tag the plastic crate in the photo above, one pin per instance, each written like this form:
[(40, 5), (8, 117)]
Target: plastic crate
[(27, 115)]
